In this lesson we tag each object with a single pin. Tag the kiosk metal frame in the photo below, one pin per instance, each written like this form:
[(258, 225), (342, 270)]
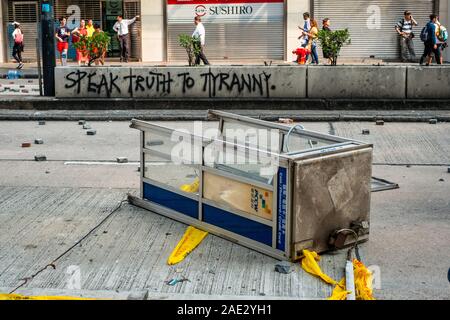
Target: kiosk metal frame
[(272, 237)]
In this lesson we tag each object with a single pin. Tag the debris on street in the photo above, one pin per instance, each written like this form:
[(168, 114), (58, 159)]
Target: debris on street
[(284, 267), (40, 157), (190, 240)]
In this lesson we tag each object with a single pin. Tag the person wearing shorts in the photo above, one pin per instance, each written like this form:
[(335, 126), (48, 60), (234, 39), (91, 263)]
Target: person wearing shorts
[(62, 37)]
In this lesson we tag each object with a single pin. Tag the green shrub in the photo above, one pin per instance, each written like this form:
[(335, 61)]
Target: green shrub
[(191, 45), (94, 47), (332, 43)]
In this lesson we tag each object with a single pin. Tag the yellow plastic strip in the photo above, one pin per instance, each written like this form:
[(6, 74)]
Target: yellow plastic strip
[(363, 281), (310, 265), (13, 296), (191, 239), (339, 292), (363, 284), (191, 188)]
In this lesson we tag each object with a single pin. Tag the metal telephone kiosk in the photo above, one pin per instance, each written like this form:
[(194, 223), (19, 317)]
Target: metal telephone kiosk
[(275, 188)]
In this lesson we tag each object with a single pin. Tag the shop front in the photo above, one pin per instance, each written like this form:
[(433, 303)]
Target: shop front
[(371, 24), (235, 29), (102, 12)]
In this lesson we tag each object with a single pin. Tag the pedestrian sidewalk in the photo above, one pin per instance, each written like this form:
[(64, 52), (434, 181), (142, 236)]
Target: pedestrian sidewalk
[(4, 67)]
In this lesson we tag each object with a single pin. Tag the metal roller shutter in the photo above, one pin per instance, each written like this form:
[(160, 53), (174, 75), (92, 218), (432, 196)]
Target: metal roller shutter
[(132, 9), (258, 37), (89, 9), (369, 38)]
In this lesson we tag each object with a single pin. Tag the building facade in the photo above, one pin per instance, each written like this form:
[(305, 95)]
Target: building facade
[(237, 30)]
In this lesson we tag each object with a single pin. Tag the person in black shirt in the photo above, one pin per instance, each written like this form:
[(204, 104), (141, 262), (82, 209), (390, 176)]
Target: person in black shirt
[(62, 35), (326, 27)]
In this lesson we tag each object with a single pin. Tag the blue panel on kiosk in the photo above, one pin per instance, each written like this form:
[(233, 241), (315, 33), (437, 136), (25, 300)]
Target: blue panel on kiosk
[(281, 209), (237, 224), (171, 200)]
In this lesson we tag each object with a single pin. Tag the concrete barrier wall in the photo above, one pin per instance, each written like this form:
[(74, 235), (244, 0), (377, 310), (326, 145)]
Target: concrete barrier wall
[(358, 82), (428, 82), (181, 82), (254, 82)]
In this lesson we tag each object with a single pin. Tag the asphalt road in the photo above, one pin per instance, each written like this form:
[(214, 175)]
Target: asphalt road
[(410, 226)]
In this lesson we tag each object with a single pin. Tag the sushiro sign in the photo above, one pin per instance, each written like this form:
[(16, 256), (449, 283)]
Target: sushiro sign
[(223, 11)]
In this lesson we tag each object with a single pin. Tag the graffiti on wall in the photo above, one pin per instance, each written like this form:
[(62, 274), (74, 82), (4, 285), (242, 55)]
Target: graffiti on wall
[(206, 82)]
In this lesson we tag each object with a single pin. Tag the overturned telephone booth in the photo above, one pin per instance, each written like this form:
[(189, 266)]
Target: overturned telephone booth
[(275, 188)]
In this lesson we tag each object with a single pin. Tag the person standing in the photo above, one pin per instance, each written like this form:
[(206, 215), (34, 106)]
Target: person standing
[(325, 48), (121, 27), (304, 39), (77, 33), (305, 29), (312, 42), (18, 44), (431, 46), (62, 36), (199, 35), (90, 28), (440, 42), (405, 29), (100, 53)]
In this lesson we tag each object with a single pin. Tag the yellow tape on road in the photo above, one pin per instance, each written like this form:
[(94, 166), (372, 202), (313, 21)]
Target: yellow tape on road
[(13, 296), (363, 278), (190, 240)]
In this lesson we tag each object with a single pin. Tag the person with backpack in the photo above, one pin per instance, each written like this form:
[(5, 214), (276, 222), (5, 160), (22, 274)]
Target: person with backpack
[(405, 29), (442, 37), (18, 44), (428, 36)]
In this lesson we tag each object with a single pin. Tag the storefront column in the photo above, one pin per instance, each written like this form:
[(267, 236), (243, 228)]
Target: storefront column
[(294, 18), (153, 42), (444, 18), (2, 35)]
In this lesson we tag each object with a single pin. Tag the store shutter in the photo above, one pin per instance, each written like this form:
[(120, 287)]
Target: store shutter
[(27, 14), (88, 9), (234, 39), (132, 9), (369, 38)]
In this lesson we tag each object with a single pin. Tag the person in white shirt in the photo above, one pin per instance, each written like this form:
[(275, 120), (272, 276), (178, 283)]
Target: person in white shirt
[(199, 34), (121, 27), (18, 44)]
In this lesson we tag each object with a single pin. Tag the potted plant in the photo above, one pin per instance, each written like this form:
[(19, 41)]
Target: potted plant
[(191, 45), (332, 43), (94, 47)]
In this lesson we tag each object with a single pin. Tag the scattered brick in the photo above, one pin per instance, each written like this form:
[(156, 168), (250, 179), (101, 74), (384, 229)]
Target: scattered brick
[(122, 159), (40, 157)]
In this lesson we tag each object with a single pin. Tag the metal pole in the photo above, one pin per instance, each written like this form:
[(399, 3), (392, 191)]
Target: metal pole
[(38, 55), (48, 47)]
